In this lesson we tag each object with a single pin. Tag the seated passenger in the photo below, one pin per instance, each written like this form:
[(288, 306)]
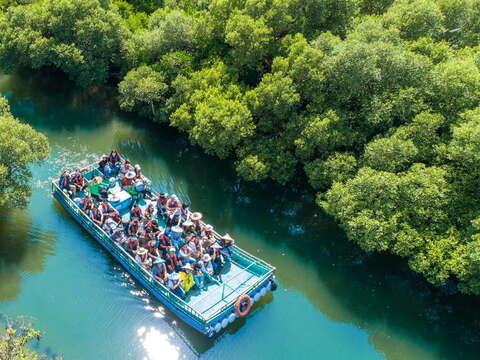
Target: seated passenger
[(136, 212), (196, 217), (175, 262), (102, 163), (207, 231), (125, 168), (96, 216), (142, 258), (184, 254), (106, 208), (187, 278), (114, 158), (78, 182), (133, 227), (162, 204), (152, 247), (227, 242), (185, 212), (109, 226), (119, 237), (132, 244), (159, 270), (207, 266), (174, 283), (127, 181), (188, 228), (94, 187), (138, 172), (165, 243), (150, 211), (64, 183), (217, 258), (198, 276), (173, 204)]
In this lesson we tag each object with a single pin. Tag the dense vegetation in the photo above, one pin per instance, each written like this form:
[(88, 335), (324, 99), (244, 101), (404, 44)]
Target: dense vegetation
[(374, 102), (20, 145), (14, 340)]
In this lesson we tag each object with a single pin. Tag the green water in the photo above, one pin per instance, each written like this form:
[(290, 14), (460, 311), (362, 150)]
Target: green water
[(333, 301)]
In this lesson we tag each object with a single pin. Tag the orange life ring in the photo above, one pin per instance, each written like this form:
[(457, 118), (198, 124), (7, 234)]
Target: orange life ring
[(244, 301)]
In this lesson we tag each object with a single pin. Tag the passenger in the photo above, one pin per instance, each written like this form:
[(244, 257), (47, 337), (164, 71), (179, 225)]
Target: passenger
[(136, 212), (132, 244), (152, 247), (78, 182), (185, 212), (227, 242), (173, 204), (185, 254), (196, 217), (165, 243), (187, 278), (217, 258), (94, 187), (127, 181), (102, 164), (114, 158), (207, 266), (119, 238), (109, 226), (96, 216), (188, 228), (175, 233), (175, 262), (142, 258), (64, 183), (150, 211), (125, 168), (138, 172), (207, 232), (116, 217), (106, 208), (133, 227), (198, 276), (174, 283), (159, 270), (162, 204)]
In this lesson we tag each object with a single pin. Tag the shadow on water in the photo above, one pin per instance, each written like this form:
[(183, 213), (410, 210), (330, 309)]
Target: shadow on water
[(377, 293), (24, 248)]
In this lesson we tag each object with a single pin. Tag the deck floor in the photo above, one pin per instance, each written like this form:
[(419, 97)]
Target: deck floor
[(233, 284)]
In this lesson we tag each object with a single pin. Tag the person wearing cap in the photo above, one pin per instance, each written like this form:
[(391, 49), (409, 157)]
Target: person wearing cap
[(226, 242), (185, 212), (150, 211), (136, 212), (206, 264), (132, 244), (114, 158), (198, 276), (152, 246), (159, 270), (133, 227), (173, 204), (96, 215), (138, 172), (174, 283), (119, 238), (188, 228), (175, 264), (103, 163), (217, 259), (127, 180), (187, 277), (165, 243)]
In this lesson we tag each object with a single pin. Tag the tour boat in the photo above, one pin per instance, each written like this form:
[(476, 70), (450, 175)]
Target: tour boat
[(247, 279)]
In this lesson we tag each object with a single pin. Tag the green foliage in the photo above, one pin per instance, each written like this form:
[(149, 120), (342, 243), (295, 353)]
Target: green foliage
[(80, 37), (338, 167), (20, 145)]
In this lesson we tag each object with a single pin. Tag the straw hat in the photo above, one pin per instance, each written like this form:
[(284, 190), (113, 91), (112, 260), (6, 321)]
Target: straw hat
[(187, 223), (196, 216), (206, 258), (130, 175), (142, 251), (227, 237), (171, 249), (208, 227)]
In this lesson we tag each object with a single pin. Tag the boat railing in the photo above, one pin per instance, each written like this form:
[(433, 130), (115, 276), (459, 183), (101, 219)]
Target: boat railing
[(127, 258)]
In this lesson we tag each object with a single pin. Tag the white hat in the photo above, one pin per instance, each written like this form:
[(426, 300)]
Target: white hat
[(227, 237), (174, 196), (174, 276), (171, 249), (137, 167), (206, 258), (196, 216), (216, 246), (187, 223), (130, 175), (187, 267), (208, 227), (158, 261)]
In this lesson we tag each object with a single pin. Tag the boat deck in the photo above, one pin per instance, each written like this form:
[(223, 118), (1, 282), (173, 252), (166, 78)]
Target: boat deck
[(218, 294)]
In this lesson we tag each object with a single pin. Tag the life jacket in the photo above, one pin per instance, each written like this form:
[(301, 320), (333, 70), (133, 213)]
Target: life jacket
[(174, 259), (127, 182), (133, 227), (165, 241), (96, 214), (132, 243), (64, 181), (137, 212), (114, 158), (163, 272)]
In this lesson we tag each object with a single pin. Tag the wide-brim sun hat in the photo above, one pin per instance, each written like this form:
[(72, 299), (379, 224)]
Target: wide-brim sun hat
[(171, 249), (196, 216), (187, 223), (216, 246), (158, 261), (137, 167), (206, 258), (227, 237), (208, 227), (142, 251), (130, 175)]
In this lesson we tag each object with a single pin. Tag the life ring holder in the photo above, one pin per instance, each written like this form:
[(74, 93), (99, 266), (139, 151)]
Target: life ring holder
[(243, 305)]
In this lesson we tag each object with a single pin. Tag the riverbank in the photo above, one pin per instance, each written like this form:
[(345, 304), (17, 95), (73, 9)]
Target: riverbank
[(347, 304)]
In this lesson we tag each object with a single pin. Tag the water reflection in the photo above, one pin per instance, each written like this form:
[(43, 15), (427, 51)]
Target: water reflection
[(158, 345), (24, 248)]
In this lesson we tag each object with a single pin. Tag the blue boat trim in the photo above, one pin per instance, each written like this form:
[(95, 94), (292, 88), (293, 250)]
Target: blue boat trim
[(210, 325)]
